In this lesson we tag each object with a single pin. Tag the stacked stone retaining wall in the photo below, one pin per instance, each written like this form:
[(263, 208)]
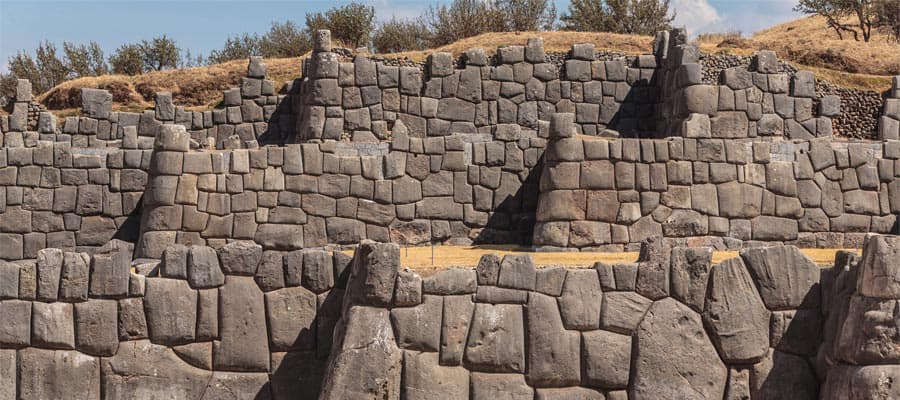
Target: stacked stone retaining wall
[(609, 194), (242, 322)]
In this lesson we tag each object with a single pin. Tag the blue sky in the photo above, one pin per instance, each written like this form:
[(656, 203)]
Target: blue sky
[(203, 25)]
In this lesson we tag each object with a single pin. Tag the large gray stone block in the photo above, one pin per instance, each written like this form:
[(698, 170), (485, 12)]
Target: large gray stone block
[(581, 299), (554, 358), (96, 331), (419, 328), (244, 342), (737, 317), (497, 340), (786, 278), (291, 315), (171, 309), (424, 379), (606, 357), (879, 274), (58, 374)]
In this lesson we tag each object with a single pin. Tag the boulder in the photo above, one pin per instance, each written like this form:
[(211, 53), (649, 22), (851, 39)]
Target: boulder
[(783, 376), (424, 379), (786, 278), (374, 273), (171, 309), (689, 274), (135, 373), (581, 299), (606, 358), (244, 341), (96, 330), (623, 311), (365, 362), (240, 257), (52, 325), (457, 312), (737, 318), (496, 340), (851, 382), (58, 374), (517, 272), (291, 314), (419, 327), (870, 334), (203, 268), (553, 353), (879, 274), (673, 358), (500, 386)]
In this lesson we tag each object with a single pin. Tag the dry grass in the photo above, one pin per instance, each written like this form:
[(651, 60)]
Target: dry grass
[(553, 42), (808, 43), (420, 258), (805, 41)]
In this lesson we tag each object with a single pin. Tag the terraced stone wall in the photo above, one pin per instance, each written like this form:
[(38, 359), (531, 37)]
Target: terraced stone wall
[(232, 323), (54, 195), (672, 325), (458, 189), (612, 194), (889, 123), (240, 322)]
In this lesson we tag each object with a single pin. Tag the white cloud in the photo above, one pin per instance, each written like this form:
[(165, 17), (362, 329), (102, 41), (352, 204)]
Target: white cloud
[(696, 15)]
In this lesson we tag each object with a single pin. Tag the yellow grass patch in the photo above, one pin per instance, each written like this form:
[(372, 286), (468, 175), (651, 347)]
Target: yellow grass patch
[(427, 259)]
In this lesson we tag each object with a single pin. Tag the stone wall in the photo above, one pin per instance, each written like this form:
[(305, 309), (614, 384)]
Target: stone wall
[(672, 325), (596, 192), (242, 322), (456, 188), (889, 123), (54, 195), (232, 323)]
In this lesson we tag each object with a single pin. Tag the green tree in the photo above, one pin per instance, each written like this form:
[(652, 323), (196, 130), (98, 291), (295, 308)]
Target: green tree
[(285, 39), (7, 89), (351, 24), (53, 70), (836, 13), (640, 17), (237, 47), (127, 60), (527, 15), (159, 53), (85, 60), (461, 19), (399, 35)]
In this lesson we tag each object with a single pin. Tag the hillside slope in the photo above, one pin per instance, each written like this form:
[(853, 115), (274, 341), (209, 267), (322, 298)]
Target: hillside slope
[(805, 41)]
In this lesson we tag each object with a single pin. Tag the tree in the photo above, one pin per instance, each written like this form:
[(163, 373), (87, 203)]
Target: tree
[(53, 70), (836, 13), (85, 60), (399, 35), (127, 60), (527, 15), (887, 17), (159, 53), (7, 89), (351, 24), (585, 16), (237, 47), (640, 17), (285, 40), (461, 19)]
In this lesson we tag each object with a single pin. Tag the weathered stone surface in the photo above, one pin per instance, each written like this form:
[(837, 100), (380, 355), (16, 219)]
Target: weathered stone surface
[(622, 311), (451, 281), (296, 375), (244, 344), (368, 340), (203, 268), (673, 356), (581, 299), (553, 353), (8, 374), (786, 278), (408, 289), (110, 269), (424, 379), (570, 393), (240, 258), (135, 373), (517, 272), (457, 312), (374, 273), (49, 268), (689, 273), (419, 327), (16, 330), (783, 376), (606, 359), (488, 269), (96, 331), (132, 322), (496, 341), (500, 386), (9, 280), (879, 274), (96, 103), (235, 386), (52, 325), (58, 374), (850, 382), (171, 309), (318, 271), (870, 334), (737, 317), (291, 313)]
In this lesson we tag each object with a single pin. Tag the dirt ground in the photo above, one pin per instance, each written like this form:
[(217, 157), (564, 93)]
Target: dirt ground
[(427, 260)]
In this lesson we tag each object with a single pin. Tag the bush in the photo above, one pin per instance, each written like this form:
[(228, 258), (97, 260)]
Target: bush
[(85, 60), (238, 47), (462, 19), (127, 60), (159, 53), (284, 40), (527, 15), (351, 24), (401, 35), (641, 17)]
